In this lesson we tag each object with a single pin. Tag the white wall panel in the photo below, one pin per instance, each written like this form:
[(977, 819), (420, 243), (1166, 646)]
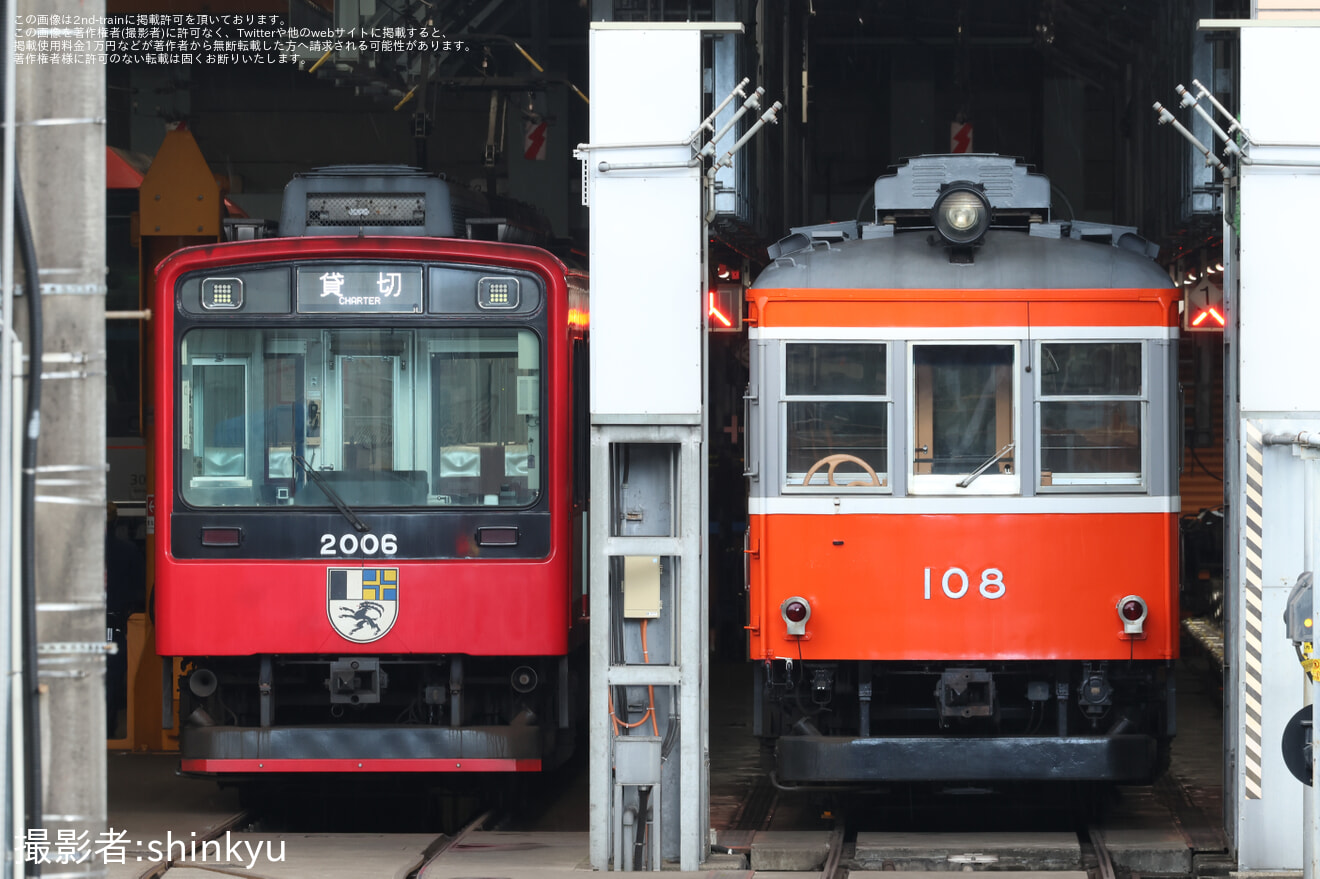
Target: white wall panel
[(1279, 307), (1276, 310), (646, 266), (1278, 66)]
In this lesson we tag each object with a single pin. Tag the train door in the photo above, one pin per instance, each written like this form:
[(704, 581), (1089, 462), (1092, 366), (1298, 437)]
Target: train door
[(963, 417)]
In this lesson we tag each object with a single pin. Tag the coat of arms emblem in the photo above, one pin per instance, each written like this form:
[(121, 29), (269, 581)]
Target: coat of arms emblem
[(362, 603)]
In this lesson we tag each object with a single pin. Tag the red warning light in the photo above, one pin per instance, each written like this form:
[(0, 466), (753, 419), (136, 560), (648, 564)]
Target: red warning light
[(715, 313), (1209, 317), (1203, 305), (795, 610), (724, 308)]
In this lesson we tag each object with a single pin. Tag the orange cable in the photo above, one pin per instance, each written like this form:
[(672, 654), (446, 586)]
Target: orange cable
[(650, 689)]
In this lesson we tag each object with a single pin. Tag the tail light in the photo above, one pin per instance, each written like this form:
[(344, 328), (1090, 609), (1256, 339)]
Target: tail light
[(796, 611), (1132, 611)]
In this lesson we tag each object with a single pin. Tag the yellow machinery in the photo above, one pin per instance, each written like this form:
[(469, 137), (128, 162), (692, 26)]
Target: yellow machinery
[(180, 204)]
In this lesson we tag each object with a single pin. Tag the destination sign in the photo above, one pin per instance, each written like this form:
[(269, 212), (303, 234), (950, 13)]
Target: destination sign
[(360, 288)]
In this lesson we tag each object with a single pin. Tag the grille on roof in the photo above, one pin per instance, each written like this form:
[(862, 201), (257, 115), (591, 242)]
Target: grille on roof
[(338, 209)]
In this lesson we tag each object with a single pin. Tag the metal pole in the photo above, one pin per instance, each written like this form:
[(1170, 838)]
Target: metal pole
[(703, 538), (61, 160), (693, 638), (1308, 698), (10, 719), (16, 788), (1167, 118), (600, 801), (1311, 792)]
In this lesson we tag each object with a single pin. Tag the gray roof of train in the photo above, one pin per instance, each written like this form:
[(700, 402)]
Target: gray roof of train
[(1005, 260)]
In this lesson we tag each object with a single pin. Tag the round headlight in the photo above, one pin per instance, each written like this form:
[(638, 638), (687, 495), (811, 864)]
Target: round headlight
[(961, 214)]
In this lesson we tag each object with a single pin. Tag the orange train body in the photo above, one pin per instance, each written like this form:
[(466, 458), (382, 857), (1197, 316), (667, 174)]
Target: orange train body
[(962, 548), (963, 587)]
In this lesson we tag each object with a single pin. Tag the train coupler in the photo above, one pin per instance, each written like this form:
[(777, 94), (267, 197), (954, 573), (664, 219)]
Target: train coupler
[(965, 693), (355, 681)]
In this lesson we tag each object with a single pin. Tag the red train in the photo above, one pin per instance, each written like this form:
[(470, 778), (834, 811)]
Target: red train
[(963, 440), (371, 477)]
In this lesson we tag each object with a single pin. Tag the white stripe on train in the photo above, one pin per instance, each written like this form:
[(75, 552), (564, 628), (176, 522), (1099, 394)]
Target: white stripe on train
[(842, 503), (921, 334)]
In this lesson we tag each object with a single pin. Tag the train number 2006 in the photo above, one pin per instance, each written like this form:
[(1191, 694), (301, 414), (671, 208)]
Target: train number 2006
[(956, 582), (351, 544)]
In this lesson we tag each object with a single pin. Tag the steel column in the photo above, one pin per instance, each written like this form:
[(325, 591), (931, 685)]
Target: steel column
[(1268, 341), (643, 179)]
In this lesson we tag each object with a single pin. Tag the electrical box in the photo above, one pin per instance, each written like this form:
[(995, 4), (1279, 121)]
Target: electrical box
[(641, 587), (1297, 613), (637, 760)]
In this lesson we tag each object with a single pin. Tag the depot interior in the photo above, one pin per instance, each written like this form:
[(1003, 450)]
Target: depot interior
[(1066, 85)]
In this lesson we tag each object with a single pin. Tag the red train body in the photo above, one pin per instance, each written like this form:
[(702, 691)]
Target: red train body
[(963, 520), (369, 481)]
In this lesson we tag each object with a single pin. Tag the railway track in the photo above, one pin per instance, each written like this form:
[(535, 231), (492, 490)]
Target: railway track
[(937, 853), (1131, 831), (1104, 863), (486, 845)]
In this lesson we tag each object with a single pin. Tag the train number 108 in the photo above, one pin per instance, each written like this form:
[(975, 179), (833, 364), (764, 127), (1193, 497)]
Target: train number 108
[(955, 583)]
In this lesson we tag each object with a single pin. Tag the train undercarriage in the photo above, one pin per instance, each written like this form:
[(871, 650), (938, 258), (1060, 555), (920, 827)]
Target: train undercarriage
[(851, 721), (389, 713)]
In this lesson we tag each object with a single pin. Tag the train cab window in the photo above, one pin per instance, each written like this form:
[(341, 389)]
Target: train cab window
[(216, 394), (485, 409), (284, 423), (836, 415), (1092, 406), (307, 416), (366, 397), (963, 416)]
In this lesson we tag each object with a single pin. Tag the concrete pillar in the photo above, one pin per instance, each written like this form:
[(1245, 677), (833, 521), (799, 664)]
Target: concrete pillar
[(60, 110)]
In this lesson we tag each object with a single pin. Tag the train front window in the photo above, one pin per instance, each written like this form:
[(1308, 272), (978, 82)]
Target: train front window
[(963, 419), (836, 414), (217, 398), (1091, 412), (485, 396), (366, 395), (385, 417)]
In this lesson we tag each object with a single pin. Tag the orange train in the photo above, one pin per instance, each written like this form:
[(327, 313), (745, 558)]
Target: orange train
[(963, 462)]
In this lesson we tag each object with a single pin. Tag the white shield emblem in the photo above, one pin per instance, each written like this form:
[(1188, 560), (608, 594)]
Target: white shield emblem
[(362, 603)]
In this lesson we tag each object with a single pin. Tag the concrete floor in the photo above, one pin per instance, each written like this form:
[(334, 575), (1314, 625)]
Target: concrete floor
[(151, 806)]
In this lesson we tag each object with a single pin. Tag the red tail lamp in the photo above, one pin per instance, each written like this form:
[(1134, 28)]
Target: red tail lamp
[(796, 611), (1132, 611)]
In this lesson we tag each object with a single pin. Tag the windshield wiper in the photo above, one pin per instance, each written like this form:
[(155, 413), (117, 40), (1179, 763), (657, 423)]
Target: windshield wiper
[(352, 517), (967, 480)]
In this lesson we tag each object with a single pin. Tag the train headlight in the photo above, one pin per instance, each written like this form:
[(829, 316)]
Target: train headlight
[(796, 611), (961, 214), (1132, 611)]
